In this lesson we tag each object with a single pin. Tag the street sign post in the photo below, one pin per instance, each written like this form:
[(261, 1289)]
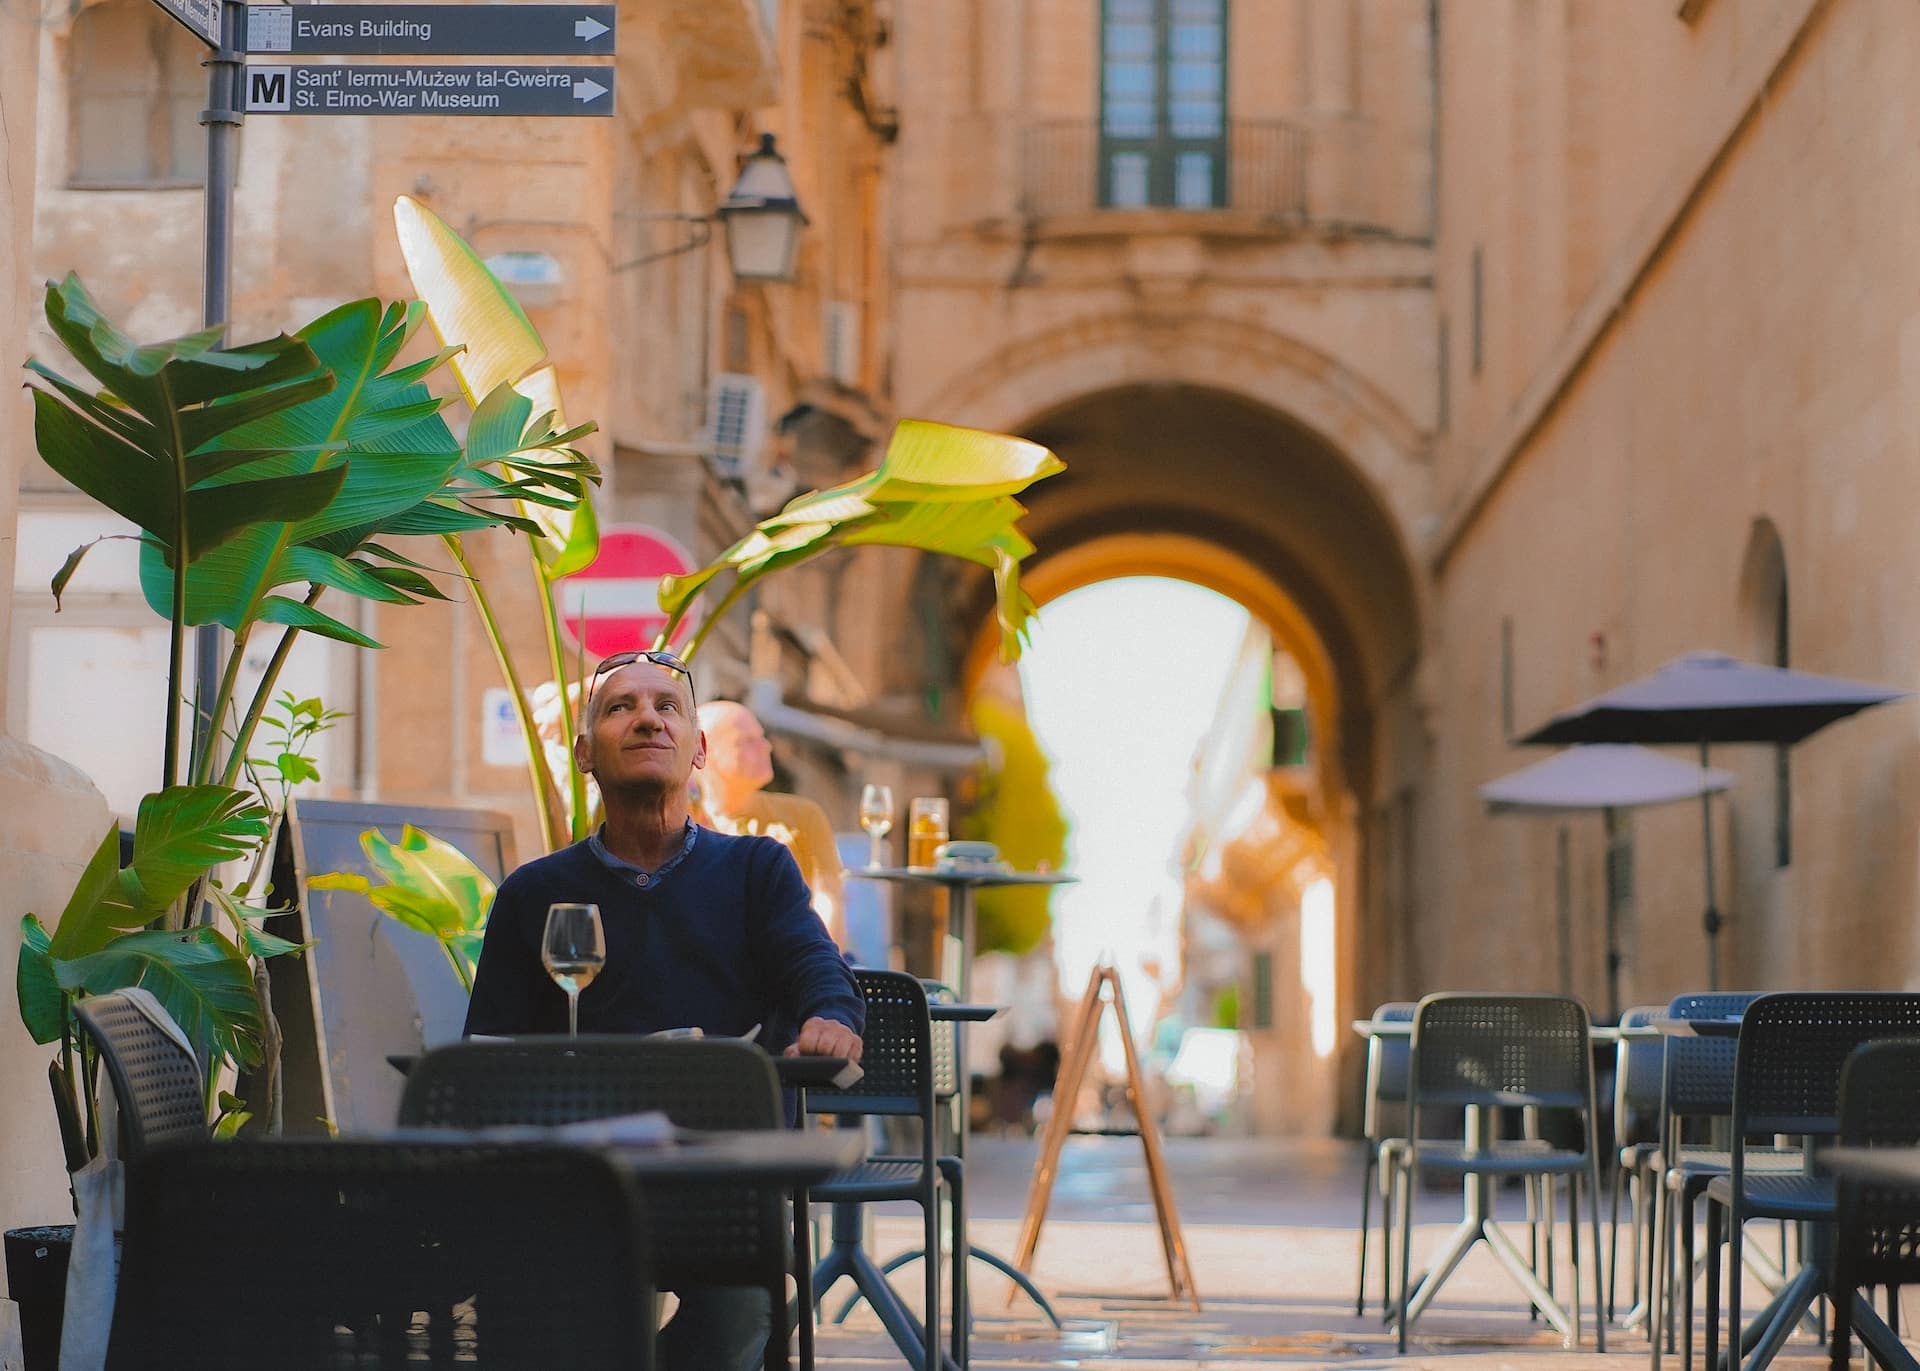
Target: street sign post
[(428, 30), (414, 88), (614, 603), (201, 18)]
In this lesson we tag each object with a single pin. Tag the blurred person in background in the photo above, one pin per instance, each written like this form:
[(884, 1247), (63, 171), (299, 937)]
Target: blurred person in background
[(733, 792)]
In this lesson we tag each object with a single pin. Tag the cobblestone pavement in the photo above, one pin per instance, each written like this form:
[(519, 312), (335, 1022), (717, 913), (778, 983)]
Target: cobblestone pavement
[(1270, 1227)]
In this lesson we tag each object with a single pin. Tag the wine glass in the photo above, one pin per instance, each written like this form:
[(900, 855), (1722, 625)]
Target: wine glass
[(876, 816), (573, 949)]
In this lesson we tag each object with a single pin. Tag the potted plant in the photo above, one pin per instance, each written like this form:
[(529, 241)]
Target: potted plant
[(260, 477)]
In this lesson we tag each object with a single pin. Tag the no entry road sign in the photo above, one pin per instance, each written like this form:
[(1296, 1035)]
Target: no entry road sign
[(411, 88), (430, 30), (614, 604), (201, 17)]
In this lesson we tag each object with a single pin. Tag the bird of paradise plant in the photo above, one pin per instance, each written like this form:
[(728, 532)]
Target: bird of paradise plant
[(260, 477), (939, 488)]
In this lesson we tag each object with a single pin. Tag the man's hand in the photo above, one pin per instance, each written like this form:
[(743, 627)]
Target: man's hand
[(826, 1038)]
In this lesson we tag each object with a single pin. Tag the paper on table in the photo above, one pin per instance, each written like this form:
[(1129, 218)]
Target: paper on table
[(651, 1129)]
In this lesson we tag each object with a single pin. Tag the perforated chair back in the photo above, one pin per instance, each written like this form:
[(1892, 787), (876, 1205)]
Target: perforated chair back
[(1638, 1066), (1879, 1235), (324, 1254), (896, 1052), (1793, 1047), (706, 1232), (1699, 1071), (156, 1081), (1507, 1050)]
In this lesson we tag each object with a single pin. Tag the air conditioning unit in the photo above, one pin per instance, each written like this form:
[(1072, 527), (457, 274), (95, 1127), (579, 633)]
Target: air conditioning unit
[(736, 423), (840, 342)]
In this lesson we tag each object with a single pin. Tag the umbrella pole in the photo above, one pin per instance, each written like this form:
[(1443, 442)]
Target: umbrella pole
[(1613, 924), (1711, 919)]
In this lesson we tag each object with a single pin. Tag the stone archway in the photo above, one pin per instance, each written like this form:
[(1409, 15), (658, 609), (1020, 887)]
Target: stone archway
[(1211, 482)]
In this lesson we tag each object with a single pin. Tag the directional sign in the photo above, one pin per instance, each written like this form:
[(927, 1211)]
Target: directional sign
[(429, 30), (410, 88), (202, 18)]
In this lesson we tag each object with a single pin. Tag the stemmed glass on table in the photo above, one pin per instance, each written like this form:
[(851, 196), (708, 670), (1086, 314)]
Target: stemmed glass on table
[(876, 816), (573, 949)]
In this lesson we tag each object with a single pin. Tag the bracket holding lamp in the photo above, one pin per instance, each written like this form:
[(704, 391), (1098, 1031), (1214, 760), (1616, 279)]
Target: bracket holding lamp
[(761, 217)]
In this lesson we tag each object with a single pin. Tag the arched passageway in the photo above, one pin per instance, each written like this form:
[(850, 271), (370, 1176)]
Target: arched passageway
[(1205, 485)]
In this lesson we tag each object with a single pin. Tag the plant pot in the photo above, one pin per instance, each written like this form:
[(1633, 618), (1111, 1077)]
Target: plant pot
[(37, 1282)]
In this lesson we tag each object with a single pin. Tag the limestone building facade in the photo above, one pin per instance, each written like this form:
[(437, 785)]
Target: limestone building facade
[(1493, 352)]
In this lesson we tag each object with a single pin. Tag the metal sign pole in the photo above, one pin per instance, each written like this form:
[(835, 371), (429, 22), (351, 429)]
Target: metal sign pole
[(222, 118)]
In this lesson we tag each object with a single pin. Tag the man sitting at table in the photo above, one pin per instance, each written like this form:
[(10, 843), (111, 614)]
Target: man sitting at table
[(703, 930)]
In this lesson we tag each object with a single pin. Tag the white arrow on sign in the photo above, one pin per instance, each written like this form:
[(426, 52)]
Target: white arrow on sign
[(588, 29), (588, 90)]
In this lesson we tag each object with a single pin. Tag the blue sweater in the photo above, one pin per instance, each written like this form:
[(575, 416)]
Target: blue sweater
[(723, 940)]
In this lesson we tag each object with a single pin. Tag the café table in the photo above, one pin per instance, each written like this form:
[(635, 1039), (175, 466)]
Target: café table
[(961, 881)]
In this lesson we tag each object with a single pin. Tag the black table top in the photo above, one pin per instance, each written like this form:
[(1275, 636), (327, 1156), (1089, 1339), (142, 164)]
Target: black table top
[(964, 1013), (779, 1155), (837, 1072), (791, 1070)]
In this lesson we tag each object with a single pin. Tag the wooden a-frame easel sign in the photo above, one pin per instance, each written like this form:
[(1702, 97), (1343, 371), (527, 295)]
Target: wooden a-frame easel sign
[(1083, 1036)]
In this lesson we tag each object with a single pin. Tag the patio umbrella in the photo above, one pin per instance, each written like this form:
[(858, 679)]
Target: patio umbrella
[(1706, 698), (1605, 777)]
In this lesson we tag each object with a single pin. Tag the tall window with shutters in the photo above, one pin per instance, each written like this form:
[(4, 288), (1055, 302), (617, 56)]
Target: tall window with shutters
[(1163, 104), (136, 90)]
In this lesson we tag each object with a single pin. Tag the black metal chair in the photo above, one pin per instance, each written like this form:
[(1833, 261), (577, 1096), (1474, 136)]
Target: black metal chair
[(1696, 1099), (1484, 1053), (156, 1079), (899, 1061), (1787, 1080), (1637, 1070), (1387, 1059), (307, 1256), (705, 1232), (1877, 1237)]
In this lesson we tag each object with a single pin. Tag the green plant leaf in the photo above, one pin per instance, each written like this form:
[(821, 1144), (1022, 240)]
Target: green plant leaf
[(201, 979), (466, 303), (277, 609), (183, 832), (100, 904), (43, 1009), (256, 940), (130, 482), (939, 489), (218, 513)]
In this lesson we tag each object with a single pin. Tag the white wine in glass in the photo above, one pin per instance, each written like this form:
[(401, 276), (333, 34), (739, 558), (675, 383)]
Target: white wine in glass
[(573, 949), (876, 816)]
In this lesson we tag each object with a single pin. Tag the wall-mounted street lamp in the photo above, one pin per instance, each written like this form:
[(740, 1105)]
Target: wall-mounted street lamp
[(761, 216)]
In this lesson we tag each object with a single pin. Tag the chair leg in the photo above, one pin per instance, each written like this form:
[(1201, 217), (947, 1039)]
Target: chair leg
[(1613, 1235), (1404, 1182), (1366, 1209), (930, 1208), (779, 1335), (1713, 1291), (1685, 1278), (961, 1313), (1593, 1187), (1736, 1242)]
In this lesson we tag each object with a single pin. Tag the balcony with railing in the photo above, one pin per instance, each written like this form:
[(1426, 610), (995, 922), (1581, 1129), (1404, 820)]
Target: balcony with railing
[(1259, 167)]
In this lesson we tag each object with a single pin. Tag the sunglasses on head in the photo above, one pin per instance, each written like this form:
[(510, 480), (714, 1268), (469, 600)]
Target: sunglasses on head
[(658, 658)]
